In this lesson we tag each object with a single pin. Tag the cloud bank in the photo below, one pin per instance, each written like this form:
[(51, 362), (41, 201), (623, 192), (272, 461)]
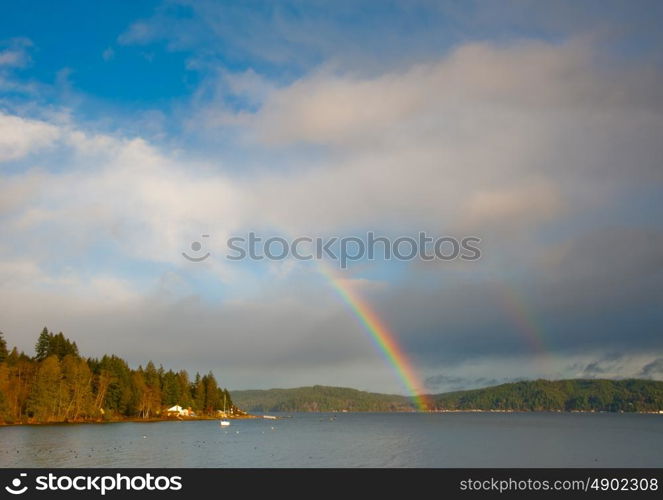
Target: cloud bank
[(549, 150)]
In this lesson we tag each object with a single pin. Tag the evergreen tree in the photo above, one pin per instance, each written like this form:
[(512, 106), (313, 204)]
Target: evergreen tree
[(61, 346), (3, 407), (43, 345), (3, 348), (184, 389), (153, 387), (4, 383), (227, 400), (49, 343), (212, 400), (198, 393), (45, 402), (89, 388), (113, 378), (140, 400), (170, 389)]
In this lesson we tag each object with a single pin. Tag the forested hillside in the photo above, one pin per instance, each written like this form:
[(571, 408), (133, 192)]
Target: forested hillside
[(319, 398), (537, 395), (560, 395), (59, 385)]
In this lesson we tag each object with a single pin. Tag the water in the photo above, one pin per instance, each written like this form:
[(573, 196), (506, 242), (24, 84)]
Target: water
[(348, 440)]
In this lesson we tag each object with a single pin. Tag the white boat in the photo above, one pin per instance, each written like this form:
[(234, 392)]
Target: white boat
[(269, 417), (224, 423)]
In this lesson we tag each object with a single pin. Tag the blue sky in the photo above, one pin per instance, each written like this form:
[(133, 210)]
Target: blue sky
[(129, 130)]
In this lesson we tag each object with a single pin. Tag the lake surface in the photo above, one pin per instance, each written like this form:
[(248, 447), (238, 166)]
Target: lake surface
[(348, 440)]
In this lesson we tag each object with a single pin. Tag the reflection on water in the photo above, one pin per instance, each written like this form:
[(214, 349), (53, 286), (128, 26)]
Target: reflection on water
[(348, 440)]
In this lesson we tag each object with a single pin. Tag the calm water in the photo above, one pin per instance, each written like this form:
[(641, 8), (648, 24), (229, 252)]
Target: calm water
[(349, 440)]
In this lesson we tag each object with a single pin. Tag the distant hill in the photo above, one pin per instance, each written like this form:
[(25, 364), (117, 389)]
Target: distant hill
[(318, 398), (565, 395), (538, 395)]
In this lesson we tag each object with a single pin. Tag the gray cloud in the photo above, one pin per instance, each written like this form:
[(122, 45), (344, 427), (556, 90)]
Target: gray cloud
[(653, 369), (550, 152), (448, 383)]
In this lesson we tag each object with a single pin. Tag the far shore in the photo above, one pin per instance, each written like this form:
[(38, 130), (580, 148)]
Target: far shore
[(247, 416), (125, 420)]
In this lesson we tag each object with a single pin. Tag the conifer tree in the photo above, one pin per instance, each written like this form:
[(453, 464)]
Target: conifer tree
[(3, 348), (43, 345), (58, 385)]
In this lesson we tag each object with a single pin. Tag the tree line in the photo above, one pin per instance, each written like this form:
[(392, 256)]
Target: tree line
[(59, 385), (630, 395), (319, 398)]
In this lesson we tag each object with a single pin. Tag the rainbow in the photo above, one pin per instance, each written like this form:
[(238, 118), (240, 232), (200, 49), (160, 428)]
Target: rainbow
[(381, 336), (514, 305)]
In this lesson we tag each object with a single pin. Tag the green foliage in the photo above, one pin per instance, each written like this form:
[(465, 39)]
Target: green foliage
[(58, 385), (198, 393), (76, 388), (171, 391), (3, 406), (561, 395), (44, 403), (3, 348), (43, 345), (49, 344), (319, 398), (112, 384), (537, 395)]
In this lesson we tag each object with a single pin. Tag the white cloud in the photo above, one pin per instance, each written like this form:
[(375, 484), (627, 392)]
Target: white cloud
[(474, 82), (519, 134), (482, 139), (125, 191), (497, 140), (535, 201), (138, 33), (22, 136)]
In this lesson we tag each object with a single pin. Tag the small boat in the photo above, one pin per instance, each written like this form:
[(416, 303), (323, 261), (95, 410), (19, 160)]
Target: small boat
[(224, 423), (269, 417)]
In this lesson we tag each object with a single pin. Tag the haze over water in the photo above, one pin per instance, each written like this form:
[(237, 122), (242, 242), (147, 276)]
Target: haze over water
[(348, 440)]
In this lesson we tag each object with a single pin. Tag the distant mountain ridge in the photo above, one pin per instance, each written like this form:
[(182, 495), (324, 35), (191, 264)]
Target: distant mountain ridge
[(632, 395), (319, 398)]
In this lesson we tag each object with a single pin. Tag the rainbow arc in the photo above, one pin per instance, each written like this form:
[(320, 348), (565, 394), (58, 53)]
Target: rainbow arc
[(381, 336)]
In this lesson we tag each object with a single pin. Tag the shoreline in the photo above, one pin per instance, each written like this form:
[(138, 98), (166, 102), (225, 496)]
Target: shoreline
[(251, 416), (127, 420)]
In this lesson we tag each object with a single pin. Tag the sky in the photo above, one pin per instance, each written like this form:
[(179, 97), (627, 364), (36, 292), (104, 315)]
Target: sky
[(130, 129)]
